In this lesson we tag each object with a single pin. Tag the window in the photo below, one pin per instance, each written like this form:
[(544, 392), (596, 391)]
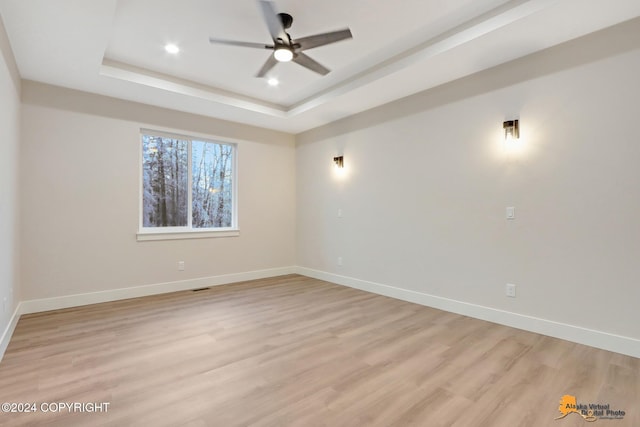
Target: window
[(188, 187)]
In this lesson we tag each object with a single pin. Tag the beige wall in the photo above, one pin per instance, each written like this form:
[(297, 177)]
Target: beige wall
[(80, 197), (427, 182), (9, 141)]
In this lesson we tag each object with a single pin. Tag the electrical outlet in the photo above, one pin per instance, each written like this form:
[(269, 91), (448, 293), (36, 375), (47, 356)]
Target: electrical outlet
[(339, 260), (510, 290), (339, 213), (180, 265)]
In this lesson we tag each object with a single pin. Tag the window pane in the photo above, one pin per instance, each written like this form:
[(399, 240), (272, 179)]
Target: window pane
[(212, 166), (164, 182)]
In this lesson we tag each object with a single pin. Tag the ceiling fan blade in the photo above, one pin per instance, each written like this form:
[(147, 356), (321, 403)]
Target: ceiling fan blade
[(323, 39), (271, 62), (273, 22), (312, 64), (239, 43)]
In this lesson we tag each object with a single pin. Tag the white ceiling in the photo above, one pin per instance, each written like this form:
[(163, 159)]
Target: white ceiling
[(116, 48)]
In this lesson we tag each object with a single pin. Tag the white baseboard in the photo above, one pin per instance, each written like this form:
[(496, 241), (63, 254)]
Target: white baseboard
[(590, 337), (56, 303), (8, 331)]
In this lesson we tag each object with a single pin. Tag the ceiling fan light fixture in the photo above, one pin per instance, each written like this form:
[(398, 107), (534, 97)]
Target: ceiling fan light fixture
[(283, 54)]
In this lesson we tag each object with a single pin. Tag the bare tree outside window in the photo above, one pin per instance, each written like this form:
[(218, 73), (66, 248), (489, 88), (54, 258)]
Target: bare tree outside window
[(212, 185), (174, 167)]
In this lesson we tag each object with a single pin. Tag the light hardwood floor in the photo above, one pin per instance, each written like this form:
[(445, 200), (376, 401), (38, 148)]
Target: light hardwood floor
[(294, 351)]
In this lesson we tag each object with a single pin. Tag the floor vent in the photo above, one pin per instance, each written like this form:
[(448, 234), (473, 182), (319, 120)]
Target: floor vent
[(200, 289)]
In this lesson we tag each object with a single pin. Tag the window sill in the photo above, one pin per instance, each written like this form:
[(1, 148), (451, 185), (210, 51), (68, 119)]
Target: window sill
[(180, 235)]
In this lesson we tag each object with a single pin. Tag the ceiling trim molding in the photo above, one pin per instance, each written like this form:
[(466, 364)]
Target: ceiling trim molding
[(9, 57), (593, 47), (130, 73), (486, 23), (493, 20)]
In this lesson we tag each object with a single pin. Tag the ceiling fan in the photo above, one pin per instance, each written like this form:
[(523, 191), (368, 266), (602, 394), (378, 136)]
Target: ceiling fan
[(284, 47)]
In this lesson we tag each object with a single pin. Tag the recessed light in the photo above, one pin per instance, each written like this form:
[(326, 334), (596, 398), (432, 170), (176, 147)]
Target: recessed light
[(172, 48), (273, 81)]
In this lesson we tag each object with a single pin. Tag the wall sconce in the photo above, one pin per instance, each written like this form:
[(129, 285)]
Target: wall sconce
[(339, 161), (511, 130)]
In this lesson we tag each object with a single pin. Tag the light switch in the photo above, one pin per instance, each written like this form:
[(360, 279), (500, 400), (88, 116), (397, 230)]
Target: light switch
[(511, 212)]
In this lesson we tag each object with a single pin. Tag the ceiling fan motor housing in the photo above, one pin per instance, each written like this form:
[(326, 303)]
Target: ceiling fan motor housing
[(286, 20)]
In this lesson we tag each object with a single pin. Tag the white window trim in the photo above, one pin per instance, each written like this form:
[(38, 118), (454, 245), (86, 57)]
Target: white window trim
[(180, 233), (143, 236)]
